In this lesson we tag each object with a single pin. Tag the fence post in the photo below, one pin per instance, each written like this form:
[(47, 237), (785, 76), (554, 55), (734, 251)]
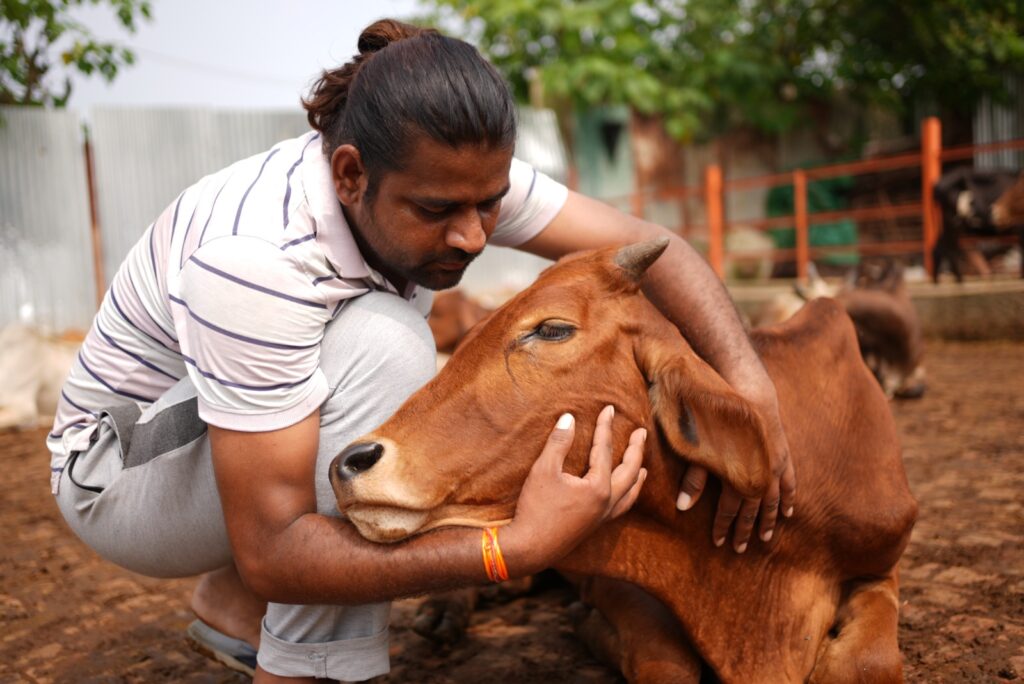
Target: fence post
[(931, 169), (94, 228), (714, 209), (636, 203), (800, 217)]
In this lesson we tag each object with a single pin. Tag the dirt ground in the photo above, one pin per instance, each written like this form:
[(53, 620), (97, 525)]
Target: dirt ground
[(67, 616)]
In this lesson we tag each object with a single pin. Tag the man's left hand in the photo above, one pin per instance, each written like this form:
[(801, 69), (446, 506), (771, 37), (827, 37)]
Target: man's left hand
[(732, 507)]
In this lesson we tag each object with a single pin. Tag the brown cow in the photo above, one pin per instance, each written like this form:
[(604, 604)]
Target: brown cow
[(819, 602), (1008, 211), (888, 328), (887, 324), (452, 315)]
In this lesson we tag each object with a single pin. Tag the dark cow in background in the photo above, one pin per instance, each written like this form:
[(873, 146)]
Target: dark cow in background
[(967, 197), (818, 603)]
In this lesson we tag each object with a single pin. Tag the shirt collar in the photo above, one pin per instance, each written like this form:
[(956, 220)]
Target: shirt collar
[(333, 234)]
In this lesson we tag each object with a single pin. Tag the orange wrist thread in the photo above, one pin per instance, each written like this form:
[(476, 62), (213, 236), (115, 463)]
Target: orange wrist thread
[(494, 561)]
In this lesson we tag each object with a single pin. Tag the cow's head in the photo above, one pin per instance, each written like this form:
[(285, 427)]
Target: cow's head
[(580, 338)]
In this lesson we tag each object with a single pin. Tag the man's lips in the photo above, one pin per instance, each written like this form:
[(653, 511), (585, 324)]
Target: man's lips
[(452, 265)]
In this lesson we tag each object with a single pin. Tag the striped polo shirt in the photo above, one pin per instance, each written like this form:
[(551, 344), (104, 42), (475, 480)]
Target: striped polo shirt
[(232, 286)]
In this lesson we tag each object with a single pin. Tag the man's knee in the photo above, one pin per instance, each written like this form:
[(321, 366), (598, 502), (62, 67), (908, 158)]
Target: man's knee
[(375, 353), (378, 337)]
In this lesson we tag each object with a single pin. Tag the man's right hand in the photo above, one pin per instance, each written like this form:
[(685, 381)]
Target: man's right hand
[(557, 510)]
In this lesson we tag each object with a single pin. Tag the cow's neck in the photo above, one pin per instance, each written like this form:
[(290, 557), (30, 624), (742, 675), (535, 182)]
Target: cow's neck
[(677, 564)]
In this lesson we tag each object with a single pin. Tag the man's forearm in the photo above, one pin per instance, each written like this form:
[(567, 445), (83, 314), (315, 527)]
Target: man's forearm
[(687, 291), (320, 559)]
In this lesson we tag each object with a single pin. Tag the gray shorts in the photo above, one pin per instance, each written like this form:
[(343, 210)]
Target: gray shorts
[(144, 495)]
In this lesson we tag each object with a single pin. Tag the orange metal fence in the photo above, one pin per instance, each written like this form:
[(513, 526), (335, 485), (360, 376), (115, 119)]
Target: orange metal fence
[(929, 160)]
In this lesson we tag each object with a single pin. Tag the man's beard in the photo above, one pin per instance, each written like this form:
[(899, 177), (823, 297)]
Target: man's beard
[(392, 262)]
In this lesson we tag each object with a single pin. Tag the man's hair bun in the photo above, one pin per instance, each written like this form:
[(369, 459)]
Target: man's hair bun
[(381, 100), (380, 34)]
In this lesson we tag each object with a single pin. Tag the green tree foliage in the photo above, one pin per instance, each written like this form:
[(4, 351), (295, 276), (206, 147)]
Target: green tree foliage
[(710, 65), (42, 45)]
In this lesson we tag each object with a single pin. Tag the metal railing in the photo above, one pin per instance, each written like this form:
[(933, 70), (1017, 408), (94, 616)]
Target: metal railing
[(928, 160)]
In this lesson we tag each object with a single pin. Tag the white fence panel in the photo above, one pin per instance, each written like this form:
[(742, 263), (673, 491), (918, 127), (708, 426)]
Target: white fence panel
[(500, 271), (995, 122), (46, 271), (144, 157)]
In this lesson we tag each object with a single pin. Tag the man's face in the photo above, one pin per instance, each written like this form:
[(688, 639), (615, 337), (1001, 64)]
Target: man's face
[(425, 222)]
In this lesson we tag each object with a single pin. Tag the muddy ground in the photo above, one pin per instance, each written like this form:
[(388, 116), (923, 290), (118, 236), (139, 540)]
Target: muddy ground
[(67, 616)]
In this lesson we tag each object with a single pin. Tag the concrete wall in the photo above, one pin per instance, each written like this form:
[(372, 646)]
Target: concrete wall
[(974, 310)]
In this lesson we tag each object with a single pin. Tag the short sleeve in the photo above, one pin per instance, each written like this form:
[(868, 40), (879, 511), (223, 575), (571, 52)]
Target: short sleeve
[(250, 322), (533, 200)]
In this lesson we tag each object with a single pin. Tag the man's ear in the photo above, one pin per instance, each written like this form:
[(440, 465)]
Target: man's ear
[(701, 417), (349, 174)]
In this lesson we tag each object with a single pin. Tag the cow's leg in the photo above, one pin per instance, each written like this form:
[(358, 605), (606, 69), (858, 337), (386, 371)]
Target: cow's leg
[(977, 262), (864, 649), (1020, 242), (947, 248), (954, 254), (937, 256), (444, 618), (631, 630)]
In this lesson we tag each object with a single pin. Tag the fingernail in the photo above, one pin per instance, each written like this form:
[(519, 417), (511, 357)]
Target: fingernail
[(788, 512), (767, 536), (719, 541), (643, 474), (684, 501), (611, 411), (741, 548), (643, 434), (565, 422)]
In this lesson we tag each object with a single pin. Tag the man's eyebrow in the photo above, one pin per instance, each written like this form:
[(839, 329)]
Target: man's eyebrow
[(441, 203)]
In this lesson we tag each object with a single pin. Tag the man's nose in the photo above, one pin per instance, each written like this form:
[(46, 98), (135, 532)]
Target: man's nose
[(467, 233), (356, 459)]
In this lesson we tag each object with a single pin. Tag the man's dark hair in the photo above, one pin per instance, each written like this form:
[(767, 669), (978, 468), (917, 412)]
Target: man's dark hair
[(408, 81)]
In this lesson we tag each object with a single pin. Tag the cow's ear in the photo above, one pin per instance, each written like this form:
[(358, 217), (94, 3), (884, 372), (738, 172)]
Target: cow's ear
[(702, 418)]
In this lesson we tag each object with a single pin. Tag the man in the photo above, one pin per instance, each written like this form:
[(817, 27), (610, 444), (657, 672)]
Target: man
[(274, 312)]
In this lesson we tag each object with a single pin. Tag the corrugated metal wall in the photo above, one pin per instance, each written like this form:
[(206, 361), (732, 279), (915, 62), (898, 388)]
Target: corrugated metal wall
[(994, 122), (145, 157), (46, 267), (142, 158)]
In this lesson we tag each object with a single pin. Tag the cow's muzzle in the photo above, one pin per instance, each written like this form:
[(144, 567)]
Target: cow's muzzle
[(357, 458)]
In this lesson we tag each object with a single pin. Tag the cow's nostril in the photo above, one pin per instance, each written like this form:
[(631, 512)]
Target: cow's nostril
[(358, 458)]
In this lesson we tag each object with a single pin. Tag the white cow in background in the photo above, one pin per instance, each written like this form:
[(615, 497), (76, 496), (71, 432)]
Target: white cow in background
[(33, 366)]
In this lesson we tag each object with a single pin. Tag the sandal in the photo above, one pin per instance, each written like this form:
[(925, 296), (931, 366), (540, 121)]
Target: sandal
[(230, 652)]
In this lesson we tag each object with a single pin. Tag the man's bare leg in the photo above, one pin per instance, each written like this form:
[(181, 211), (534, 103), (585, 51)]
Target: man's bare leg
[(223, 602)]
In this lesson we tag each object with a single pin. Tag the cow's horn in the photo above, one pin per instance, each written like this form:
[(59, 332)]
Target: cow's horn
[(635, 259)]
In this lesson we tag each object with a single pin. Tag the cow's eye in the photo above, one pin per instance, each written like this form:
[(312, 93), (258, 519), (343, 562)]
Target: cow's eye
[(553, 332)]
